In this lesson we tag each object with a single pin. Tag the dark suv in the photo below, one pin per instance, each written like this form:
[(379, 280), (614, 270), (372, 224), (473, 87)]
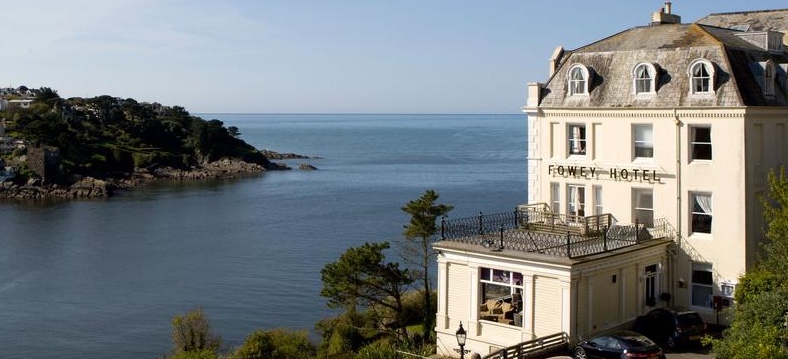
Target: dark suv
[(670, 327)]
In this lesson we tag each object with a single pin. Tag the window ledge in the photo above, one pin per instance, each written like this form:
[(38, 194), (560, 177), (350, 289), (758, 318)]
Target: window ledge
[(644, 160), (701, 162), (701, 236), (501, 325), (709, 94)]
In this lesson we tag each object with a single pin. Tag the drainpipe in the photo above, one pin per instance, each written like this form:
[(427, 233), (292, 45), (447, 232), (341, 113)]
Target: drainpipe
[(675, 262), (575, 335)]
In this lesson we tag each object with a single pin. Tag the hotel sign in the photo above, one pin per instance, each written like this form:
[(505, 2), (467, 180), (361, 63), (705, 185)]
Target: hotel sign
[(590, 172)]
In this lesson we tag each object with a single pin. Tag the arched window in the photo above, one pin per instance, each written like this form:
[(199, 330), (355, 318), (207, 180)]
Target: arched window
[(578, 80), (769, 78), (701, 73), (645, 77)]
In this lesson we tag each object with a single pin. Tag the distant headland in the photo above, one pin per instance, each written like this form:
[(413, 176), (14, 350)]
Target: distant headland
[(51, 147)]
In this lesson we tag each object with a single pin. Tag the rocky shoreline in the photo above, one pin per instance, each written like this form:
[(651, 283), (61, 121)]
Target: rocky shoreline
[(89, 187)]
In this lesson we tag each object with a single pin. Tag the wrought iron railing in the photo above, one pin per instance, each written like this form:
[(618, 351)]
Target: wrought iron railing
[(547, 346), (540, 215), (531, 230)]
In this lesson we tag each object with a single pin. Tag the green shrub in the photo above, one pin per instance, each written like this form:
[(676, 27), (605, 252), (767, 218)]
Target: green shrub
[(192, 332), (276, 344), (377, 350), (202, 354)]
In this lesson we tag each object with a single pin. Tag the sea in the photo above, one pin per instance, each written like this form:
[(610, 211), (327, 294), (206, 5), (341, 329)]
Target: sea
[(103, 278)]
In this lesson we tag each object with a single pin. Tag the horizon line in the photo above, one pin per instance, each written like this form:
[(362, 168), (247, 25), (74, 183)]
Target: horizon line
[(358, 113)]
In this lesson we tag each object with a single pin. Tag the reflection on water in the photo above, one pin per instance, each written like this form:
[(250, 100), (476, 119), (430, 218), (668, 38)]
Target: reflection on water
[(85, 279)]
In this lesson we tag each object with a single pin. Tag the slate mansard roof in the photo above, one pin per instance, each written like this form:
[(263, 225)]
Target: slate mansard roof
[(751, 20), (671, 49)]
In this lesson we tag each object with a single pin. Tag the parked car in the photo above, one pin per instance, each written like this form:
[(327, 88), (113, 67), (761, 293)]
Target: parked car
[(670, 327), (618, 345)]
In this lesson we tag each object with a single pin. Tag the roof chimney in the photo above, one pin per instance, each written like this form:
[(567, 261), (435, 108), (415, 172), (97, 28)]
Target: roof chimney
[(665, 15)]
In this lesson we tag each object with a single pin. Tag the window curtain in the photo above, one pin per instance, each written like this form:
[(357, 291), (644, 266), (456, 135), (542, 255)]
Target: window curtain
[(643, 79), (644, 134), (703, 202), (573, 198), (575, 139), (645, 199)]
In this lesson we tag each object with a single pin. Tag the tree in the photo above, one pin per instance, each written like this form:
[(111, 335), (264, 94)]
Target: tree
[(48, 96), (361, 277), (417, 249), (776, 215), (191, 332), (233, 131), (757, 327)]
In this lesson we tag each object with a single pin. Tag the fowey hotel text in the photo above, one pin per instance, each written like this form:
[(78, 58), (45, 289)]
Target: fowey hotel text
[(616, 174)]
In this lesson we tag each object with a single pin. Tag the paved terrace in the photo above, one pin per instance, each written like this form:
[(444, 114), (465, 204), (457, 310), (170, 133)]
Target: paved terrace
[(534, 229)]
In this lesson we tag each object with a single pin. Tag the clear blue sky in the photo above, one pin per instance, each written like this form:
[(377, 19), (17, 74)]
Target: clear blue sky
[(387, 56)]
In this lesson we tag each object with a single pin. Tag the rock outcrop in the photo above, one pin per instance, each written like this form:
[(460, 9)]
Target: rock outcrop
[(85, 188), (89, 187)]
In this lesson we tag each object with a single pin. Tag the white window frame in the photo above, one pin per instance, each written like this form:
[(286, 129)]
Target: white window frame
[(702, 285), (577, 139), (506, 284), (728, 289), (644, 79), (577, 79), (701, 75), (769, 78), (576, 200), (643, 139), (598, 207), (696, 144), (652, 276), (701, 207), (642, 211), (555, 197)]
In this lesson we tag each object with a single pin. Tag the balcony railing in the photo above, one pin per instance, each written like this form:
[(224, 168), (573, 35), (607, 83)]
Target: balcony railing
[(533, 228)]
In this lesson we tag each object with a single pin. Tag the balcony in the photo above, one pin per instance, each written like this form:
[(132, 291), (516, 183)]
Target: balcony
[(536, 229)]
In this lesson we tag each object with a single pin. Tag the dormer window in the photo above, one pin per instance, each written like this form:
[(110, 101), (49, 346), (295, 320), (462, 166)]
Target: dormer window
[(578, 80), (769, 78), (645, 77), (701, 73)]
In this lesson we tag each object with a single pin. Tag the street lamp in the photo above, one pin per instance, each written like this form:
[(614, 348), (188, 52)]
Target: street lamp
[(461, 340)]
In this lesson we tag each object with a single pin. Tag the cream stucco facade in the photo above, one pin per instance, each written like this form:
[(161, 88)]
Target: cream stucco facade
[(578, 296), (746, 143), (648, 155)]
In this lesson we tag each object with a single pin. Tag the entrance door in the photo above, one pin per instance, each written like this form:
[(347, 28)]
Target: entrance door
[(651, 276)]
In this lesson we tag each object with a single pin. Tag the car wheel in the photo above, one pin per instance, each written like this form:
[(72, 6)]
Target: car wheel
[(671, 342), (580, 353)]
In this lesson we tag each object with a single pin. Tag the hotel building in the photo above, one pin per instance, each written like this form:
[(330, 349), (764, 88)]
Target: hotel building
[(648, 153)]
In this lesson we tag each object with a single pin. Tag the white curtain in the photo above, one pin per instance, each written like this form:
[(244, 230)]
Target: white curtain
[(704, 202), (644, 134), (597, 200), (577, 200)]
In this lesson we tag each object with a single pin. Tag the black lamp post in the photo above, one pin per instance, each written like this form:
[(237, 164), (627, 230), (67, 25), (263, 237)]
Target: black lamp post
[(461, 335)]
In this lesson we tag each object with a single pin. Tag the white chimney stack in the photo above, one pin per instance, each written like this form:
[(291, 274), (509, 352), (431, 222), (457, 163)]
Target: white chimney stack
[(665, 15)]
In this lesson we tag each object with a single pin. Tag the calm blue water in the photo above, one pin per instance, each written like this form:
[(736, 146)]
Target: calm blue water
[(102, 279)]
